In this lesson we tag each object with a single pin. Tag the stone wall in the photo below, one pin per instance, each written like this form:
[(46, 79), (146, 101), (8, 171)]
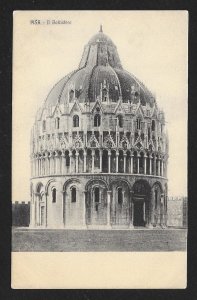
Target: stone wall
[(177, 212)]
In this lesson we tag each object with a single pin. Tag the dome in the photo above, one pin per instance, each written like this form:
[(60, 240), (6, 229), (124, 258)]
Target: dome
[(100, 72)]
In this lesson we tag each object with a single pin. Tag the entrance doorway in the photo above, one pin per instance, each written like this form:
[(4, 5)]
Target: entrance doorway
[(138, 213)]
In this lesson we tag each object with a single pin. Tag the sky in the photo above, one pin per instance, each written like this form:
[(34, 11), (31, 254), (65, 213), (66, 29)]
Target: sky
[(151, 44)]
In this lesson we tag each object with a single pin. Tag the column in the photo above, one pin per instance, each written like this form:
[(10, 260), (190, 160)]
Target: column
[(63, 163), (45, 209), (131, 210), (159, 169), (77, 161), (138, 163), (39, 167), (84, 160), (56, 162), (100, 156), (124, 158), (70, 167), (131, 163), (155, 166), (162, 211), (150, 164), (117, 155), (145, 157), (151, 207), (108, 208), (50, 163), (109, 161), (144, 212), (93, 156), (84, 209)]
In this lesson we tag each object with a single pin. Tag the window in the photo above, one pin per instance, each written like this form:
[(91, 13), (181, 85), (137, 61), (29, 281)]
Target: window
[(153, 125), (120, 121), (96, 195), (75, 121), (104, 95), (44, 125), (57, 123), (156, 196), (67, 161), (120, 195), (54, 195), (73, 194), (138, 124), (71, 95), (97, 120)]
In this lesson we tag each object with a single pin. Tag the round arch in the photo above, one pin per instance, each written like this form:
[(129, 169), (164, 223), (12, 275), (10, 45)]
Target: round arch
[(118, 181), (141, 181), (39, 186), (157, 183), (48, 184), (96, 180), (71, 180)]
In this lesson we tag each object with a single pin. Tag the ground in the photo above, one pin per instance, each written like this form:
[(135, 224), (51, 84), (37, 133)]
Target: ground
[(49, 240)]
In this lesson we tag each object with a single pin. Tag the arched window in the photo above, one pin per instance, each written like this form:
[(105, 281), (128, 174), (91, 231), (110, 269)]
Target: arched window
[(153, 125), (57, 123), (120, 198), (138, 123), (54, 195), (71, 95), (156, 198), (75, 121), (96, 195), (44, 125), (104, 95), (67, 161), (73, 194), (97, 120), (120, 121)]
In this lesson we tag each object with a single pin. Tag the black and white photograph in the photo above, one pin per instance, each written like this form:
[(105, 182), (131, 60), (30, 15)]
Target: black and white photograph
[(99, 159)]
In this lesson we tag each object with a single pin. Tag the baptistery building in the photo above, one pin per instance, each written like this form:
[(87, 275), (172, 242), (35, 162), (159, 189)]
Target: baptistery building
[(99, 148)]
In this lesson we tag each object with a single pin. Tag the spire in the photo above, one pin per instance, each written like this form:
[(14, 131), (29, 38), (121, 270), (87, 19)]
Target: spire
[(101, 28)]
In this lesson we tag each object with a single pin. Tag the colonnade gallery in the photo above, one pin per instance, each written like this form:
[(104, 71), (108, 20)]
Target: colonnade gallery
[(99, 148)]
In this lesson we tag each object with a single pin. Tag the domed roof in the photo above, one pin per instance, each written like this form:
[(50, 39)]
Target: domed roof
[(100, 71), (100, 37)]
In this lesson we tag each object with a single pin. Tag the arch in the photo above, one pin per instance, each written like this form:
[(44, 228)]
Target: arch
[(71, 180), (96, 180), (119, 181), (47, 185), (138, 186), (97, 120), (75, 121), (157, 183), (39, 186)]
